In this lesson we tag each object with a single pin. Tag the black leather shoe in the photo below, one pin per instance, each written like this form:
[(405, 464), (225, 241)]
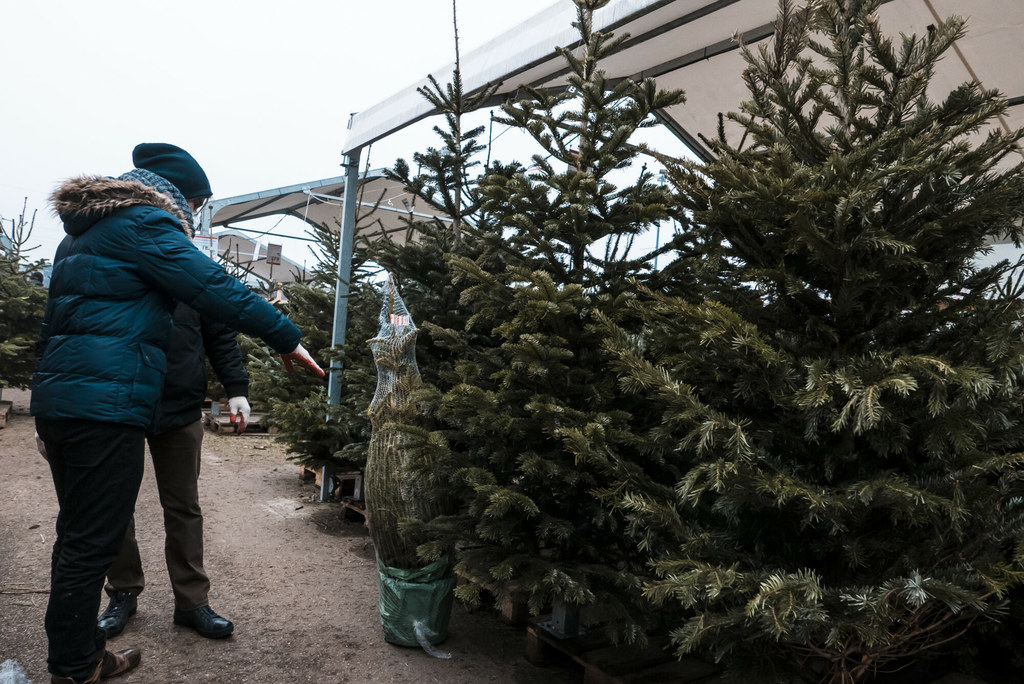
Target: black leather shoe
[(204, 621), (114, 619)]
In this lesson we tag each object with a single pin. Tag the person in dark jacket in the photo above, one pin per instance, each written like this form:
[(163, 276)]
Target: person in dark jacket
[(175, 446), (101, 362)]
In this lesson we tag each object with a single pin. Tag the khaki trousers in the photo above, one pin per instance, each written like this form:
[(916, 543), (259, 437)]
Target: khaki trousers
[(176, 457)]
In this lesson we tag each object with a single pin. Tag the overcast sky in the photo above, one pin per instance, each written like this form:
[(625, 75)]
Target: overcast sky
[(259, 92)]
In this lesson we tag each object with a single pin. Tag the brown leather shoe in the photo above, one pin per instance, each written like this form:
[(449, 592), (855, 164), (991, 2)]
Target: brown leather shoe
[(110, 665), (116, 664), (93, 678)]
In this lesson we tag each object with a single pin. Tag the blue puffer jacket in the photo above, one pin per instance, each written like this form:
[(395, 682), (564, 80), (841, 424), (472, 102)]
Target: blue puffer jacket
[(108, 318)]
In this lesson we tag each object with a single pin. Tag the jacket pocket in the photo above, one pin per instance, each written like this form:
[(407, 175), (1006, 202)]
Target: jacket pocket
[(149, 379)]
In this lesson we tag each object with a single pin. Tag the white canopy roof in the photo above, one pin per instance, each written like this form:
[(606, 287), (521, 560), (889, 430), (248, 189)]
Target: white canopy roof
[(690, 44), (384, 206), (383, 209), (249, 256)]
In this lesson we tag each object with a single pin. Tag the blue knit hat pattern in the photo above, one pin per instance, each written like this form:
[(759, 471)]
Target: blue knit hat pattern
[(174, 164)]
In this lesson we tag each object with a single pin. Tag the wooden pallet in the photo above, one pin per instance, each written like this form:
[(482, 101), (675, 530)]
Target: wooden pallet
[(604, 662), (348, 489), (343, 485), (357, 506), (348, 485), (515, 611), (5, 408), (307, 473)]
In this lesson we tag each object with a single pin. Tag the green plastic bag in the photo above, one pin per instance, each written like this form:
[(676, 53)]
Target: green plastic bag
[(416, 603)]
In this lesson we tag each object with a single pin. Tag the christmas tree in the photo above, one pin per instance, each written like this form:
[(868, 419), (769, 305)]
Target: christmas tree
[(445, 180), (528, 365), (316, 433), (22, 302), (842, 397)]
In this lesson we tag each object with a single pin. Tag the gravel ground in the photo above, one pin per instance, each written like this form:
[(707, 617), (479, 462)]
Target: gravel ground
[(298, 581)]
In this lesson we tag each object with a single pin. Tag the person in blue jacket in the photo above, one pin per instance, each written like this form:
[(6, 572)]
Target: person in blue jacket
[(126, 259)]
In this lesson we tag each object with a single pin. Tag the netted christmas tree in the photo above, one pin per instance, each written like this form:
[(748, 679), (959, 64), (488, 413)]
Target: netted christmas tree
[(842, 401), (391, 494), (415, 596)]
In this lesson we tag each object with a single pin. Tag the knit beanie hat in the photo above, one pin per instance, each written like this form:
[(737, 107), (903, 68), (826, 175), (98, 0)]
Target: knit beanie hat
[(174, 164)]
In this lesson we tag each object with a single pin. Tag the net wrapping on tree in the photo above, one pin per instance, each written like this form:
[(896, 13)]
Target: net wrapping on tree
[(415, 601), (391, 495)]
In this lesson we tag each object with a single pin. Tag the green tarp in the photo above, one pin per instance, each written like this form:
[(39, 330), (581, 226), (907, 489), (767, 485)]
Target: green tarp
[(416, 599)]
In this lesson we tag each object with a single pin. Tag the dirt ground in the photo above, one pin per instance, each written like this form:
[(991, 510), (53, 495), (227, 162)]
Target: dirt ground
[(298, 581)]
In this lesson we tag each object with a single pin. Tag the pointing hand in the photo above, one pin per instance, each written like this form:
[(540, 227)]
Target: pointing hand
[(300, 355)]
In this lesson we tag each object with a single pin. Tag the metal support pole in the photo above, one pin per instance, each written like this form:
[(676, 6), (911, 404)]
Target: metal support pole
[(348, 230), (205, 221)]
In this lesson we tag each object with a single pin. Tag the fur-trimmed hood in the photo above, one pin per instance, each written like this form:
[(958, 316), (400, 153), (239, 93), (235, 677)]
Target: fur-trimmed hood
[(80, 202)]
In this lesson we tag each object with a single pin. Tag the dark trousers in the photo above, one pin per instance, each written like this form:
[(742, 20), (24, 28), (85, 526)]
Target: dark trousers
[(97, 470), (176, 458)]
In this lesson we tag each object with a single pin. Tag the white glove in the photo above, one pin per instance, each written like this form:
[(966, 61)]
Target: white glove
[(302, 356), (239, 405), (42, 447)]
